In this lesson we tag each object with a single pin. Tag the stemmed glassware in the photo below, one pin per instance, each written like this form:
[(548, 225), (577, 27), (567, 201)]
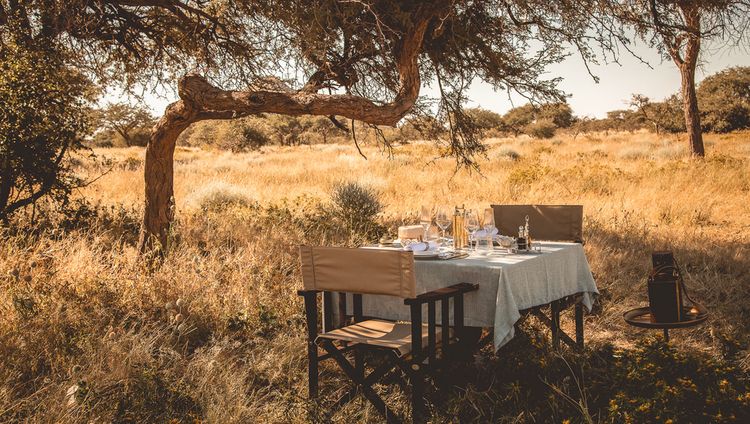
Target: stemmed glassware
[(472, 225), (488, 221), (425, 219), (488, 225), (443, 219)]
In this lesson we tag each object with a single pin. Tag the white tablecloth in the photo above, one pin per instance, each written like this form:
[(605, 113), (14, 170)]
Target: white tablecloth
[(508, 284)]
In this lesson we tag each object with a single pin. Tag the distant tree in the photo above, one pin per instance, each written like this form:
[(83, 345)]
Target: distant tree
[(554, 115), (325, 127), (560, 114), (677, 29), (240, 135), (623, 120), (125, 120), (518, 118), (724, 99), (661, 116), (421, 126), (541, 128), (484, 119), (42, 119)]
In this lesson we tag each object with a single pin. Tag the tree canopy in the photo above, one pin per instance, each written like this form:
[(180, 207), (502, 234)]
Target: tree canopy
[(363, 60), (724, 99), (42, 118), (677, 28)]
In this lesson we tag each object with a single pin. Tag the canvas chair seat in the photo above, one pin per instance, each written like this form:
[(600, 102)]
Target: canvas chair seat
[(377, 332)]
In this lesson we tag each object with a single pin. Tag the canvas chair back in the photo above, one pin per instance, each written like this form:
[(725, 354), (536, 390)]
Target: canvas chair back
[(546, 222), (359, 271)]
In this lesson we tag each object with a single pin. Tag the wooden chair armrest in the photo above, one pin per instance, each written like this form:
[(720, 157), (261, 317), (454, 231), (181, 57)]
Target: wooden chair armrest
[(441, 293)]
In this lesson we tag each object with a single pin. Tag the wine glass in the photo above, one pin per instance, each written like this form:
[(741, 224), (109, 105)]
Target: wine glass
[(472, 225), (488, 224), (488, 221), (443, 219), (425, 219)]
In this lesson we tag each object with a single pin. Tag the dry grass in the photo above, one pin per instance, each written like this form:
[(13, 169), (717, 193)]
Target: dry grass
[(77, 306)]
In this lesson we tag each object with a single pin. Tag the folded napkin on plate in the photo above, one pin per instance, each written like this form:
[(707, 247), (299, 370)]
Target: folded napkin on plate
[(421, 247), (484, 233)]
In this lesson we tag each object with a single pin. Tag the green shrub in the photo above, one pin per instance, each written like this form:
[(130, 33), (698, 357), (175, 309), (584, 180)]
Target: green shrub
[(239, 136), (508, 153), (542, 128), (357, 207), (43, 119), (218, 195)]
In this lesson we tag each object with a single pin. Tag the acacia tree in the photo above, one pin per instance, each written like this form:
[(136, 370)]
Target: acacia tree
[(677, 28), (364, 60), (124, 119)]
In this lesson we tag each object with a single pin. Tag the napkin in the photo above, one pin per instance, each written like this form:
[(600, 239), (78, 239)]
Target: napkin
[(422, 246), (485, 233)]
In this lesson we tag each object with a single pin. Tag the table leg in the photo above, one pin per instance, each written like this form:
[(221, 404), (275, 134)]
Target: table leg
[(666, 335)]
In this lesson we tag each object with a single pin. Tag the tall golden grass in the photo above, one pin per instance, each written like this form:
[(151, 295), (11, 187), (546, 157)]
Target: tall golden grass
[(90, 332)]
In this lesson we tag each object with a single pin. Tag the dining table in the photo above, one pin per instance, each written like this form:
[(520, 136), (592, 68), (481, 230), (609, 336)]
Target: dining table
[(509, 283)]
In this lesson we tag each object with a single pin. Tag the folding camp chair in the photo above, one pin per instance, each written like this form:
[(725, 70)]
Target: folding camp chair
[(550, 223), (413, 347)]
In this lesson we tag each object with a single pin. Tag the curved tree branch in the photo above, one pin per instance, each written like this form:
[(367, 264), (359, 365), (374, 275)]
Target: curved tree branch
[(200, 100)]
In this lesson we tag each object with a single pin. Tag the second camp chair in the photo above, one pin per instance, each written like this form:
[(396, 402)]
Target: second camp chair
[(412, 347), (549, 223)]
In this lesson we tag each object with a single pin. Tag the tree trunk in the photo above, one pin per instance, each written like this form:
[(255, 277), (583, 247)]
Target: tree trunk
[(686, 64), (159, 176), (200, 100), (690, 107), (6, 184)]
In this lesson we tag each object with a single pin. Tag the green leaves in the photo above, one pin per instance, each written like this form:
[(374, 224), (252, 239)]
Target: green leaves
[(42, 118)]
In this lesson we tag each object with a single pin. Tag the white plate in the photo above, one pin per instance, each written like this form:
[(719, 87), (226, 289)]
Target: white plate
[(428, 254)]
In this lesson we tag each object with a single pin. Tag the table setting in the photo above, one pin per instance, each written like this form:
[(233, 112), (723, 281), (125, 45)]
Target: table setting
[(514, 272), (473, 234)]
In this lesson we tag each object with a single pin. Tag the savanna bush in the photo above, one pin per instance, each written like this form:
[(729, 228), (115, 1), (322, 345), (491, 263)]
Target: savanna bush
[(218, 195), (357, 207), (508, 153), (542, 128)]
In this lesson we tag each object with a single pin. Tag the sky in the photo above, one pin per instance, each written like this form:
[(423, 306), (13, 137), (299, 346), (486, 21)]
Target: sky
[(617, 82)]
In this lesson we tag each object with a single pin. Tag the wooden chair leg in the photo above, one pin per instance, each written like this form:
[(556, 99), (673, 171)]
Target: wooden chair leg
[(312, 370), (363, 384), (311, 312), (359, 362), (579, 325), (555, 318), (416, 379)]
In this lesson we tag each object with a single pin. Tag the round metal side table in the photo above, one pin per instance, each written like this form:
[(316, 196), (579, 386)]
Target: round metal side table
[(641, 317)]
